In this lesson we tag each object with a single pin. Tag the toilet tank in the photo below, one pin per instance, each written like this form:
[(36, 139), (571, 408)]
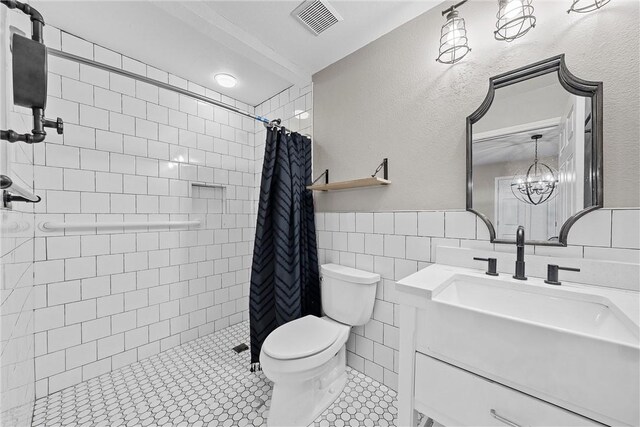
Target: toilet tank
[(348, 294)]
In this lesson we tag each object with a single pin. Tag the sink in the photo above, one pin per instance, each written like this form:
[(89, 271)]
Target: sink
[(570, 346), (572, 312)]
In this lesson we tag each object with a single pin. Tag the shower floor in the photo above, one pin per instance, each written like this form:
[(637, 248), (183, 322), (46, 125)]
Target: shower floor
[(201, 383)]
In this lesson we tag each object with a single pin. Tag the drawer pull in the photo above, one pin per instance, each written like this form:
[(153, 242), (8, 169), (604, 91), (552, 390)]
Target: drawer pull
[(500, 418)]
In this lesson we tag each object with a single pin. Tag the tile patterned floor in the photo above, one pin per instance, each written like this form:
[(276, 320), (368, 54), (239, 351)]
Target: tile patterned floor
[(201, 383)]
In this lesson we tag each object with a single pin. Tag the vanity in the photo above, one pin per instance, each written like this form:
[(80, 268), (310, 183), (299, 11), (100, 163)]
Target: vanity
[(477, 349)]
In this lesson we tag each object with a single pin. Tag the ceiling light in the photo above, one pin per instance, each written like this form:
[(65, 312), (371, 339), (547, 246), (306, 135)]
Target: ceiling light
[(454, 44), (538, 184), (585, 6), (515, 19), (225, 80)]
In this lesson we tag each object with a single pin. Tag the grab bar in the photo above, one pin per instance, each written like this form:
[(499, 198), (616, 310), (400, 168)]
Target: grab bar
[(58, 226), (15, 193)]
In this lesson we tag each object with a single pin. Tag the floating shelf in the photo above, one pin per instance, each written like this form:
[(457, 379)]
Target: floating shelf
[(355, 183)]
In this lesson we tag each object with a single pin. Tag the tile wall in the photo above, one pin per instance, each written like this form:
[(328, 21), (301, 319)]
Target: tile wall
[(396, 244), (132, 152), (16, 255)]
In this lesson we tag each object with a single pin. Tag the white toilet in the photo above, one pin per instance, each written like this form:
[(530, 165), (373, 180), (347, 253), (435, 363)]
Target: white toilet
[(306, 358)]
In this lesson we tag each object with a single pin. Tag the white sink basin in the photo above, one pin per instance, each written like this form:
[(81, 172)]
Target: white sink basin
[(568, 345), (578, 313)]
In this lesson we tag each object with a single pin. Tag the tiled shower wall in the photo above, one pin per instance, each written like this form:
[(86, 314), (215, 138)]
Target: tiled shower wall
[(396, 244), (294, 106), (131, 152), (16, 256)]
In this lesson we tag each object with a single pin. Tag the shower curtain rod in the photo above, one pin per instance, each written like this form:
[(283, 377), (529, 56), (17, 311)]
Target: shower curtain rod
[(85, 61)]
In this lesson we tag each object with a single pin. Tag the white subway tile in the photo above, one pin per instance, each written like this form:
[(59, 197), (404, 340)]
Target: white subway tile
[(80, 311), (134, 107), (110, 345), (94, 160), (108, 182), (593, 229), (147, 92), (460, 225), (95, 369), (394, 246), (625, 228), (96, 287), (49, 364), (79, 268), (61, 156), (107, 99), (383, 223), (94, 202), (73, 90), (63, 247), (79, 180), (63, 292), (419, 248), (62, 338), (406, 223), (94, 117), (122, 84), (81, 355), (121, 123), (431, 224), (108, 141), (96, 329), (94, 76)]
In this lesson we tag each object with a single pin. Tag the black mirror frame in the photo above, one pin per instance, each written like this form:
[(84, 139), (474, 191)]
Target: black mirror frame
[(574, 85)]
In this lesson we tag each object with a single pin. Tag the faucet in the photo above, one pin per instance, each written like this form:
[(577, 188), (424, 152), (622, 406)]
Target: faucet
[(520, 254)]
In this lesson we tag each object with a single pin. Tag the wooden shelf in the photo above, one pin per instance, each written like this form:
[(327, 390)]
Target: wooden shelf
[(355, 183)]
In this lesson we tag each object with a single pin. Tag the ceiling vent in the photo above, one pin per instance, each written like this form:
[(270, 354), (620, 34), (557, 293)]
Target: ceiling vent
[(316, 15)]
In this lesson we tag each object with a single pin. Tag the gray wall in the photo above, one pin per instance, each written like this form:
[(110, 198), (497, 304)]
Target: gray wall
[(392, 99)]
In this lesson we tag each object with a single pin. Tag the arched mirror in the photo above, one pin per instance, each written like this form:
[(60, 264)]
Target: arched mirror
[(534, 153)]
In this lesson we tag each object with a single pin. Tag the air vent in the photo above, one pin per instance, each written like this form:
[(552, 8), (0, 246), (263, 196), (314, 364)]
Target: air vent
[(316, 15)]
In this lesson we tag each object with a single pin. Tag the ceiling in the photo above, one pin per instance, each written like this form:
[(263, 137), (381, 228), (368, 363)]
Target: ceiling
[(258, 42)]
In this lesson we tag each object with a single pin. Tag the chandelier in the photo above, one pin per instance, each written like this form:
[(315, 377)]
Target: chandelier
[(538, 184)]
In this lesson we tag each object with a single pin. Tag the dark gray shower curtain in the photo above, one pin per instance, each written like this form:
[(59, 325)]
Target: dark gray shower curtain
[(285, 283)]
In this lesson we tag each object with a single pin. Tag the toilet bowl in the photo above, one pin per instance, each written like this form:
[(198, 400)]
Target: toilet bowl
[(306, 358)]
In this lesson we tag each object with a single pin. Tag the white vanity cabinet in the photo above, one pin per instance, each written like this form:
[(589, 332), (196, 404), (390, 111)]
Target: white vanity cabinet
[(456, 397), (492, 351)]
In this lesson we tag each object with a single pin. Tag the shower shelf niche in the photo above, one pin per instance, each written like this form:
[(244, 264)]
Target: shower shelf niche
[(371, 181)]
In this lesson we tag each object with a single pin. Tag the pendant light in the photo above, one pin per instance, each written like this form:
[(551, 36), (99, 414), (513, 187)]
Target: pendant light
[(585, 6), (515, 19), (454, 44), (538, 184)]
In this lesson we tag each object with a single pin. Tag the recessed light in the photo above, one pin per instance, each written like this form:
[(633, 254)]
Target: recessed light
[(225, 80)]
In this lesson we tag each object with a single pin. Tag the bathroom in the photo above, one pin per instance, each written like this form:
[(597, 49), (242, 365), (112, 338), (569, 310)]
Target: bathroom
[(415, 267)]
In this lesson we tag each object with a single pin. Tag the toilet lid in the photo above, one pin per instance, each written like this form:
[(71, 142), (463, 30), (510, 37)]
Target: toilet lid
[(299, 338)]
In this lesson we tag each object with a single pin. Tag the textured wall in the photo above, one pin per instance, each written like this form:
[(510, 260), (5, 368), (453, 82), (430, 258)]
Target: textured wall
[(392, 99)]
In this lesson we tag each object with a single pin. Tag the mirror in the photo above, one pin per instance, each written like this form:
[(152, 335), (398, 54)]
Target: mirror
[(534, 153)]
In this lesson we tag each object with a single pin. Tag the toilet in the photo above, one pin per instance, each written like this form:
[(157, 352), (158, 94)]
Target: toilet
[(306, 358)]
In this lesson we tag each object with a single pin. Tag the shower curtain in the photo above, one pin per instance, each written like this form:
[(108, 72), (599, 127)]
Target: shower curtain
[(285, 283)]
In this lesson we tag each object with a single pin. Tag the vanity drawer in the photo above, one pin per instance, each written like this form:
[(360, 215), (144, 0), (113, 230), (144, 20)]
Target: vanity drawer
[(455, 397)]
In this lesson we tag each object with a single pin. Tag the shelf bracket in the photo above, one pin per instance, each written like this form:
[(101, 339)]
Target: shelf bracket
[(385, 169), (324, 174)]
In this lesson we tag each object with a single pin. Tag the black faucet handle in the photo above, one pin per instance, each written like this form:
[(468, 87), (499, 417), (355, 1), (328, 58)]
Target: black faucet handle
[(492, 267), (552, 273)]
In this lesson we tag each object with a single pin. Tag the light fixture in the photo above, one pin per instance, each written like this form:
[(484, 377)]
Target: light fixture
[(454, 44), (585, 6), (515, 19), (225, 80), (538, 184)]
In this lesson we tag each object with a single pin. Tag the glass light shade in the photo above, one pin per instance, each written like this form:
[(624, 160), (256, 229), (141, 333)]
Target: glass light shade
[(585, 6), (515, 19), (454, 44), (225, 80)]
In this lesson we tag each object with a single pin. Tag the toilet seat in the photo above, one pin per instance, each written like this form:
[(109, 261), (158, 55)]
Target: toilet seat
[(301, 338)]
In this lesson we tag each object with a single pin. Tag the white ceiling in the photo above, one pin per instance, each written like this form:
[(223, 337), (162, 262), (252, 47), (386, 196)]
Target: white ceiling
[(258, 42)]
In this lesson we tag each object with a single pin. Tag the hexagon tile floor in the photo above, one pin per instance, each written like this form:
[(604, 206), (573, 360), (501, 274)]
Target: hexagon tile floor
[(201, 383)]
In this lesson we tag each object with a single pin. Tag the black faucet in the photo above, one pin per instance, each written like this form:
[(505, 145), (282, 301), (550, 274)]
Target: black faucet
[(520, 254)]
